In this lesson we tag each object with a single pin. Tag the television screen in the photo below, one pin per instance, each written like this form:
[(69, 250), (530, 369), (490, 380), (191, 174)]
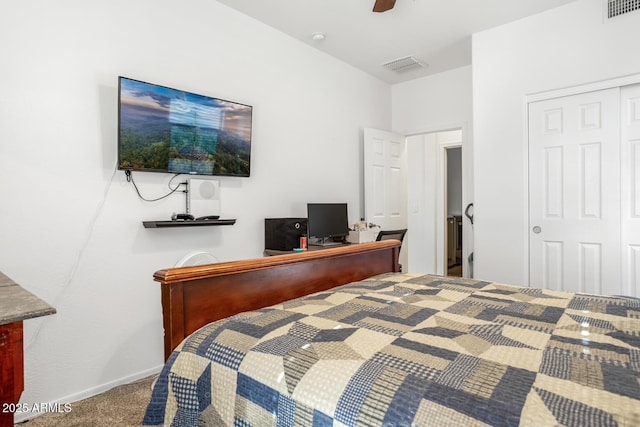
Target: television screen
[(168, 130), (327, 220)]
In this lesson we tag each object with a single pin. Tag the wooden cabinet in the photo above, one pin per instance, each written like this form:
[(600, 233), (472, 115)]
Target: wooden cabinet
[(16, 305), (11, 370)]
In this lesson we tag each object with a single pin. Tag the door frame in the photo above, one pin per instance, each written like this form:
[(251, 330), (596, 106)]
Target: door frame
[(442, 204), (543, 96)]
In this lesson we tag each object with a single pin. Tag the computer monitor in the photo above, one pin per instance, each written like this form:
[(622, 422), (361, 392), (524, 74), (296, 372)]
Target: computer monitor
[(326, 222)]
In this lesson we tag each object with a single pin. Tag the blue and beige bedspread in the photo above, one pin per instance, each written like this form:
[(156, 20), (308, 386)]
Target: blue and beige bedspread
[(411, 350)]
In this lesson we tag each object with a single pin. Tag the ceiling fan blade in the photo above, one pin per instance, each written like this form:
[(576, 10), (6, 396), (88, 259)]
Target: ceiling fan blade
[(383, 5)]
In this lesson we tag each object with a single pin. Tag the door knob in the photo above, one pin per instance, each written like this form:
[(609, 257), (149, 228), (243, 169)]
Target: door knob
[(537, 229)]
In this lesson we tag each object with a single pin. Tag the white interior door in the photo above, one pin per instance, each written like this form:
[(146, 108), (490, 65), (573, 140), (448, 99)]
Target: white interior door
[(385, 180), (574, 193), (630, 170)]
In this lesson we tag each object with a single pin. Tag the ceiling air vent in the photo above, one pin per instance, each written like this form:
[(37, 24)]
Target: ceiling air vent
[(620, 7), (404, 64)]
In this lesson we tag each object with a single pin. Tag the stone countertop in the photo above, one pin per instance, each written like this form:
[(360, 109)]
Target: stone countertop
[(17, 304)]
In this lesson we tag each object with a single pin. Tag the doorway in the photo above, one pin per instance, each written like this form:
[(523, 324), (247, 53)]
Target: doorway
[(453, 229), (427, 200)]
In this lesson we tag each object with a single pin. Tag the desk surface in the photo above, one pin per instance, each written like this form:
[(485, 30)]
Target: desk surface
[(17, 304), (270, 252)]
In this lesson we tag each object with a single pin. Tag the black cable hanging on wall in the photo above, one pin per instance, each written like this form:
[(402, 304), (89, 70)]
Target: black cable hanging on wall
[(130, 179)]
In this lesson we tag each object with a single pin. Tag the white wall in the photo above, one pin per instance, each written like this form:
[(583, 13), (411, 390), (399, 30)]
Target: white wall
[(72, 226), (563, 47), (433, 103), (421, 108)]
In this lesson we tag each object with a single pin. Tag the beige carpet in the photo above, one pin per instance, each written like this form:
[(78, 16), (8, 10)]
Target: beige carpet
[(121, 406)]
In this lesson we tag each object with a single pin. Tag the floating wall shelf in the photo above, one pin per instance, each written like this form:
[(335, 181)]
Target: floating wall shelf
[(187, 223)]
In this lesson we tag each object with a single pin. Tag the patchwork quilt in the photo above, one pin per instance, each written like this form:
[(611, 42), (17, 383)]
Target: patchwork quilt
[(411, 350)]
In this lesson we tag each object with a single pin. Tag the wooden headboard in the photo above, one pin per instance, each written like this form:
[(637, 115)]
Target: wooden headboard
[(195, 296)]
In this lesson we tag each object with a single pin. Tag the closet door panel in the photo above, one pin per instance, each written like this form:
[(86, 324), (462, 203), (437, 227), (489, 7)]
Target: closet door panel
[(630, 188), (574, 193)]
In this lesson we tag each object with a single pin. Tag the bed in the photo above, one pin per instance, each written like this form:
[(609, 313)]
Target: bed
[(340, 338)]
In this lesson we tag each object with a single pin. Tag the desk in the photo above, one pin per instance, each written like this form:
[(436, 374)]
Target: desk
[(16, 305), (270, 252)]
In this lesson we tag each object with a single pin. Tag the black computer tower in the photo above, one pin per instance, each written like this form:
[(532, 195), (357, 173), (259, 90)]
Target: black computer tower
[(283, 234)]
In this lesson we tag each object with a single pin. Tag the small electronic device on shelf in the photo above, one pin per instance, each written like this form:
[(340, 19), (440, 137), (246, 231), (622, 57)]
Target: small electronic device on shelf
[(208, 218), (182, 217)]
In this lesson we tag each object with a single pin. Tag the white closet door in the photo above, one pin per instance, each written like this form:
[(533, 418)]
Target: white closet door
[(574, 193), (630, 170)]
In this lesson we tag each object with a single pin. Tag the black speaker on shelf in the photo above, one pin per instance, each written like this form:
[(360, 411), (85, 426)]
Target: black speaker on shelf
[(283, 234)]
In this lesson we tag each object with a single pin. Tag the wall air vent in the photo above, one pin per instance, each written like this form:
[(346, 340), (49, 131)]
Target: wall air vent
[(620, 7), (404, 64)]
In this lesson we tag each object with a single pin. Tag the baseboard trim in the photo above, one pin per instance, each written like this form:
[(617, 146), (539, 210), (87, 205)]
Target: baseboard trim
[(93, 391)]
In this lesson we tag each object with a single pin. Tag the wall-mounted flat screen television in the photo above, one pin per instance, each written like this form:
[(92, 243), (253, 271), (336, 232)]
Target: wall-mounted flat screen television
[(161, 129)]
